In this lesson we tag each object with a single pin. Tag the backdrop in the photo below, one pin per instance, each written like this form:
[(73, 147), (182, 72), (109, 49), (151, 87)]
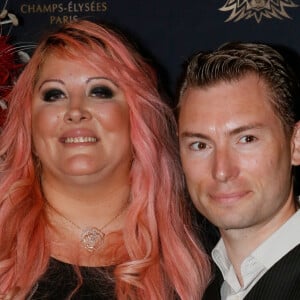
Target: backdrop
[(170, 30)]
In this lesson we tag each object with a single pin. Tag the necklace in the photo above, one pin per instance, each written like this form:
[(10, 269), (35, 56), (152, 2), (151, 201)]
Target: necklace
[(91, 237)]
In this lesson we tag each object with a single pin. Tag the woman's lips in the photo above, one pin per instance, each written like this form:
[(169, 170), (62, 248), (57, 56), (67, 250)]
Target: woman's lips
[(79, 140), (79, 136)]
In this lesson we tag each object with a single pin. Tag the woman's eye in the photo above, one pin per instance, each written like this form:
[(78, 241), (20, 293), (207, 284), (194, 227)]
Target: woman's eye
[(248, 139), (198, 146), (102, 92), (53, 95)]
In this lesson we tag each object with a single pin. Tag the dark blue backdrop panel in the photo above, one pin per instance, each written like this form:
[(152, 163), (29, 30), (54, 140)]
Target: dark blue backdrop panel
[(171, 30)]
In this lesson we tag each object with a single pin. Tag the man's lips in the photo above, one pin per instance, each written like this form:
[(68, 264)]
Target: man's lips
[(228, 197)]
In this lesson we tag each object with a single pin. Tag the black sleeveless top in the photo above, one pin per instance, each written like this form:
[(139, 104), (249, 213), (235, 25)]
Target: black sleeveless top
[(60, 281)]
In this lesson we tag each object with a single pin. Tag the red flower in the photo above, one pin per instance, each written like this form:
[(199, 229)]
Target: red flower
[(8, 70)]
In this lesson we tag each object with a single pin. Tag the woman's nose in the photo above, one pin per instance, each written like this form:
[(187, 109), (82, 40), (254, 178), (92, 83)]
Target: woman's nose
[(76, 112)]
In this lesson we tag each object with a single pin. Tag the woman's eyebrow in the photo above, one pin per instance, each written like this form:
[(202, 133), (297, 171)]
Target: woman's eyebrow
[(50, 80)]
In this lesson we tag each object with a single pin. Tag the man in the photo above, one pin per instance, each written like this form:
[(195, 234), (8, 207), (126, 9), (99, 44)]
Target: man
[(239, 141)]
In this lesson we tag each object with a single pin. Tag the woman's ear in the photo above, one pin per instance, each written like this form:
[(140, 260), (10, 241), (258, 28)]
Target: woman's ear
[(296, 145)]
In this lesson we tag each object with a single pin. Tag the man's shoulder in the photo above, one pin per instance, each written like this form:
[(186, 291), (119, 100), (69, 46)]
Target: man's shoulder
[(282, 281)]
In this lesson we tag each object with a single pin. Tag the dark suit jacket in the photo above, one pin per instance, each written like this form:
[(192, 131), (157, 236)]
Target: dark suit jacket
[(281, 282)]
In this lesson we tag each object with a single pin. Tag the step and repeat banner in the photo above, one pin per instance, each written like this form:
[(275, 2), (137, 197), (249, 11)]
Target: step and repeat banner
[(170, 30)]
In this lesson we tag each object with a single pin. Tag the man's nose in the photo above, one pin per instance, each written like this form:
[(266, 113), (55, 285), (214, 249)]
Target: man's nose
[(225, 166)]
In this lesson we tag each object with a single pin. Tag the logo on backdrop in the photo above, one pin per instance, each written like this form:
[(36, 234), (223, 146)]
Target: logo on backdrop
[(257, 9)]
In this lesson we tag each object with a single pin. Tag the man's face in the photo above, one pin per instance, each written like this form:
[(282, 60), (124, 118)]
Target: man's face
[(235, 154)]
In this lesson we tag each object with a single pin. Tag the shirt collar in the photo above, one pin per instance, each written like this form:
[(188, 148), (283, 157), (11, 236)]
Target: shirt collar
[(280, 242), (263, 257)]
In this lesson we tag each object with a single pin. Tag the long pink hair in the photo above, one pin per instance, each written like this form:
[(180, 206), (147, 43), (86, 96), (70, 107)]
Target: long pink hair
[(163, 256)]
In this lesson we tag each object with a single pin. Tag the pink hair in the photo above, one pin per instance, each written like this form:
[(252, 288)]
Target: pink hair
[(163, 258)]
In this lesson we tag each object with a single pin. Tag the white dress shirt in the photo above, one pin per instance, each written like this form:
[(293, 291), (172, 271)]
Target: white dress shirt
[(259, 261)]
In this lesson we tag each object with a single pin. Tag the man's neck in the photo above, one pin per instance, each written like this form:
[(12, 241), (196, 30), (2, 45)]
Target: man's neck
[(240, 243)]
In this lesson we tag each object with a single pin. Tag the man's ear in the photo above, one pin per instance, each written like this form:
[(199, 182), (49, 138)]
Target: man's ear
[(296, 145)]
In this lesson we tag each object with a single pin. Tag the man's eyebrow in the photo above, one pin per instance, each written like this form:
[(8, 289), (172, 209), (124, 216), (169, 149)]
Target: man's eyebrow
[(245, 128), (191, 134)]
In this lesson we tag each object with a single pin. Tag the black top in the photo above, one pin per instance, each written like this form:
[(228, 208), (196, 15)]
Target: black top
[(60, 281)]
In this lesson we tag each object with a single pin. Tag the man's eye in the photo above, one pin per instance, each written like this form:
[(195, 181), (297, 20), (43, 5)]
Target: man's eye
[(248, 139), (102, 92), (53, 95), (198, 146)]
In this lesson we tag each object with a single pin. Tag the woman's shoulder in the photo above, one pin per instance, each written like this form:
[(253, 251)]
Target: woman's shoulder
[(61, 280)]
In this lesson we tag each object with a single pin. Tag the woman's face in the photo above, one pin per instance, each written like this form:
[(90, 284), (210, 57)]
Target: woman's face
[(80, 123)]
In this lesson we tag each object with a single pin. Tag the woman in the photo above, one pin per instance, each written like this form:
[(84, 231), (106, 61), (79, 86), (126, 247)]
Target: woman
[(91, 193)]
